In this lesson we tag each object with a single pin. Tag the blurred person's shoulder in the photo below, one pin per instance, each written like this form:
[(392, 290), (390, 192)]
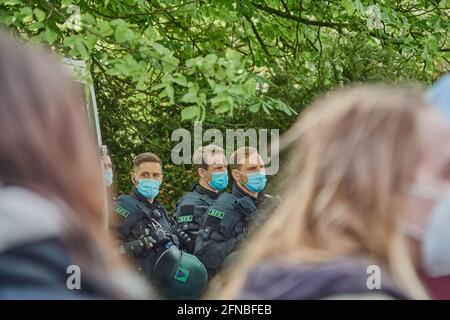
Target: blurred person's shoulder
[(40, 270), (26, 216), (346, 277), (33, 257)]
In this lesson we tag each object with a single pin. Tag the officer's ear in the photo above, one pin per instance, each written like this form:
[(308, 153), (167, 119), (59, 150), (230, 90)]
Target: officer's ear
[(133, 179), (235, 174), (202, 173)]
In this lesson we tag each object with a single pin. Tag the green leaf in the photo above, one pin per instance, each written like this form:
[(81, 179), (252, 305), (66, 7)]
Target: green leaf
[(169, 63), (190, 113), (220, 99), (194, 62), (36, 26), (349, 6), (88, 18), (237, 90), (123, 33), (249, 87), (359, 6), (223, 107), (26, 15), (168, 92), (232, 55), (39, 14), (191, 96), (210, 59), (254, 107), (91, 41), (161, 49), (26, 11), (221, 74), (220, 87), (81, 48), (180, 79), (151, 34), (104, 28), (49, 36), (70, 41), (11, 2), (265, 108)]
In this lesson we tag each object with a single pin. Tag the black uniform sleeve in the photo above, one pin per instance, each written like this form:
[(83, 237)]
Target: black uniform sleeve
[(216, 239), (190, 210)]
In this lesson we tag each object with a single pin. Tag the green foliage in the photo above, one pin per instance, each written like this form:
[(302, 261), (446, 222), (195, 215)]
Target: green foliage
[(160, 65)]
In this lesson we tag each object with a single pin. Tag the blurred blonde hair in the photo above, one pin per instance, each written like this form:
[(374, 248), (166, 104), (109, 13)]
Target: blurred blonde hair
[(351, 156)]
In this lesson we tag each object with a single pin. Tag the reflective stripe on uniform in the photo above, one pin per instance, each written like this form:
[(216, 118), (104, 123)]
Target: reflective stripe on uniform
[(184, 219), (216, 213)]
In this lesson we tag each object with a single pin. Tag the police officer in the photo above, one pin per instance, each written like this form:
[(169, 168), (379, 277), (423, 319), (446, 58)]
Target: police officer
[(146, 235), (211, 168), (227, 221)]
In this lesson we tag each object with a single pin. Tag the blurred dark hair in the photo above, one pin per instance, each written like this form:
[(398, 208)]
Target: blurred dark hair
[(46, 146)]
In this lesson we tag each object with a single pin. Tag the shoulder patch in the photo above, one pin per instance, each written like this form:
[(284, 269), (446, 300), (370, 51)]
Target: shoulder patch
[(120, 210), (216, 213)]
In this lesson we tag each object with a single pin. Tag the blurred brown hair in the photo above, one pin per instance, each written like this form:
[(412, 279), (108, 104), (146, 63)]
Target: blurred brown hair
[(47, 146), (352, 155)]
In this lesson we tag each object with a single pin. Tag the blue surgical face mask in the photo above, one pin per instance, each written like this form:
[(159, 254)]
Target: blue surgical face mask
[(256, 181), (219, 180), (109, 177), (149, 188)]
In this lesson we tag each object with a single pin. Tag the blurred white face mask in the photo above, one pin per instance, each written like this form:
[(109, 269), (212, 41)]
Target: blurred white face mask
[(435, 236)]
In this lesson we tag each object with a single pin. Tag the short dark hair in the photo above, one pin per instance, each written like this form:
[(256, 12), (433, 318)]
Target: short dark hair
[(146, 157)]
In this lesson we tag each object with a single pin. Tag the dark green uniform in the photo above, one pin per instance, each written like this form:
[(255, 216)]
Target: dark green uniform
[(145, 234), (138, 218), (190, 212), (226, 225)]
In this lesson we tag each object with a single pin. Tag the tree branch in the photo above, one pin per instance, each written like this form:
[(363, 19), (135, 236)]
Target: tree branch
[(258, 37), (287, 15)]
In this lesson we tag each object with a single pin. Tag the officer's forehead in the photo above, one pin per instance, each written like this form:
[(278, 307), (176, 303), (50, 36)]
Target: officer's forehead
[(252, 158), (148, 167), (215, 158)]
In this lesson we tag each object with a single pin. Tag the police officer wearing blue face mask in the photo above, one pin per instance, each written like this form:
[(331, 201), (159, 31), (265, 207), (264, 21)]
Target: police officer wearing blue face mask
[(211, 169), (228, 219), (145, 233)]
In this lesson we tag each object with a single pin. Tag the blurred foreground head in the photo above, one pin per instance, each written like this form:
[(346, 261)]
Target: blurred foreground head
[(353, 156), (46, 147), (439, 95)]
